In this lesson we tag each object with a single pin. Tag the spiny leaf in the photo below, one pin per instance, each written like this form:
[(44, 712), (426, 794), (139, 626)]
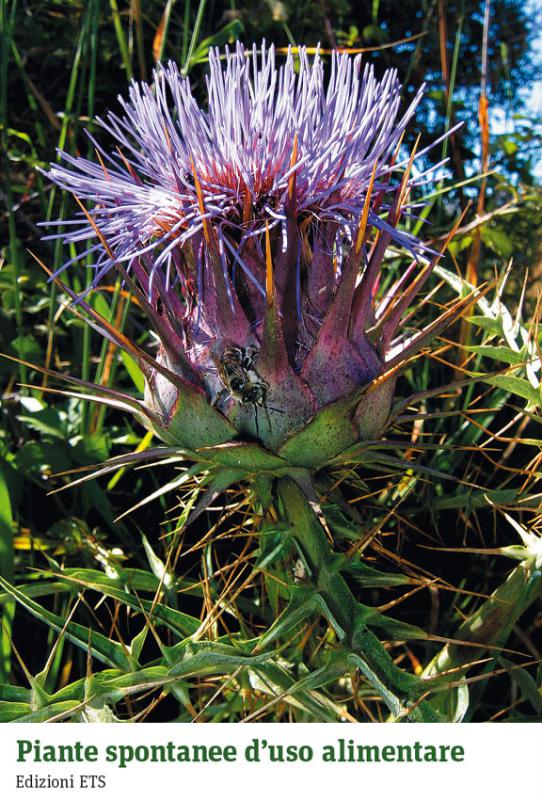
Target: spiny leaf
[(177, 621), (274, 679), (304, 603), (208, 657), (102, 648), (371, 578)]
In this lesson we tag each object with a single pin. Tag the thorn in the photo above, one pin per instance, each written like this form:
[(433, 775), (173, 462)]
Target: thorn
[(293, 160), (106, 173), (168, 140), (128, 165), (268, 268), (404, 188), (247, 204), (365, 213), (97, 231), (455, 228), (201, 204), (395, 155)]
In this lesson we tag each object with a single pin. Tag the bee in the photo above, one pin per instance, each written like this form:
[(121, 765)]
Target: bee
[(237, 370), (236, 367)]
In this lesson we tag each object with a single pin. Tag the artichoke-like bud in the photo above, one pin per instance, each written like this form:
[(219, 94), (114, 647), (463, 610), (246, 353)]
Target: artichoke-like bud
[(253, 234)]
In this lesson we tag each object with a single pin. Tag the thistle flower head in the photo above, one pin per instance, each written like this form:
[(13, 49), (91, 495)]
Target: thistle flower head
[(270, 137), (254, 231)]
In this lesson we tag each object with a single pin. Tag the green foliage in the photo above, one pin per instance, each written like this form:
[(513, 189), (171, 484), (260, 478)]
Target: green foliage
[(225, 593)]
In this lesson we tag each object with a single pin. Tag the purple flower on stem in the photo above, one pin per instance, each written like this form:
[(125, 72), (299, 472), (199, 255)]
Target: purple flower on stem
[(253, 233)]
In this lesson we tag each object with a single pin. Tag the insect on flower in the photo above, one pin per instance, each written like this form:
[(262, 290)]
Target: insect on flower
[(237, 369)]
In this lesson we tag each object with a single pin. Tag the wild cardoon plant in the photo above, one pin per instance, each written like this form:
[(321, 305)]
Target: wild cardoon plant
[(252, 233)]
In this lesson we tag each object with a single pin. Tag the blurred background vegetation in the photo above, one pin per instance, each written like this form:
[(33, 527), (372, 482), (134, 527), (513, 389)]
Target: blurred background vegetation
[(63, 64)]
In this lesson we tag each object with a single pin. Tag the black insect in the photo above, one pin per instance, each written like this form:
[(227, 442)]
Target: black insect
[(237, 370)]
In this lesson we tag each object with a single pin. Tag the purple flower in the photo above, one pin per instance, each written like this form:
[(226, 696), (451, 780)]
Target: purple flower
[(241, 152), (255, 230)]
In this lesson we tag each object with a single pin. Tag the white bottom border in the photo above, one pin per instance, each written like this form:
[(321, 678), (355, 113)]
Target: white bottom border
[(488, 760)]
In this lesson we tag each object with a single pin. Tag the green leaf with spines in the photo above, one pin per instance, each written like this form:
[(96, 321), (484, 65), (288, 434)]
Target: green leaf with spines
[(248, 456), (304, 602), (201, 658), (100, 646), (177, 621), (18, 694), (371, 578)]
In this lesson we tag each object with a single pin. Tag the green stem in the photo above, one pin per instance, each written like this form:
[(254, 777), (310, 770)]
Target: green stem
[(365, 651), (195, 34)]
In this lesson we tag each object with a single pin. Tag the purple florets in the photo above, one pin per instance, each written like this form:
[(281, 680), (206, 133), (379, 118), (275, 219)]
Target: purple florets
[(264, 124)]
